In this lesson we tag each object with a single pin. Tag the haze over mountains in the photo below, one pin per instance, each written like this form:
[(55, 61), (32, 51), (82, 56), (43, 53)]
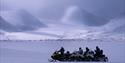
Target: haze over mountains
[(79, 16), (5, 25), (50, 18), (75, 24), (47, 9), (116, 25), (19, 20)]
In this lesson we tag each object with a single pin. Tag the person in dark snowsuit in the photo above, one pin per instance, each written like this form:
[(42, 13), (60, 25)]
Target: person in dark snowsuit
[(98, 52), (67, 56), (101, 53), (62, 50), (87, 50), (80, 50)]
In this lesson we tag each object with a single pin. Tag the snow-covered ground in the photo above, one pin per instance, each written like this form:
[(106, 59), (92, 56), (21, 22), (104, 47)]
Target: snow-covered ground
[(51, 33), (40, 51), (28, 35)]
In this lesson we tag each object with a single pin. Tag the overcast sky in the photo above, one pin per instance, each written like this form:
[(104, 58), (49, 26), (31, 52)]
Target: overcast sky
[(54, 9)]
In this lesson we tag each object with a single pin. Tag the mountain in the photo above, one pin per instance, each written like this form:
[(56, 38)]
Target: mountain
[(79, 16), (21, 20), (5, 25), (120, 29), (116, 25)]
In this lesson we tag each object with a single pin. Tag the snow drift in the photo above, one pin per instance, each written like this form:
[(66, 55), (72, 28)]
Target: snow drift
[(79, 16), (20, 20)]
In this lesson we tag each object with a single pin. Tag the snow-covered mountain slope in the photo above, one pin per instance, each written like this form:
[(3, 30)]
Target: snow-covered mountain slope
[(120, 29), (116, 25), (55, 35), (34, 29), (78, 16), (5, 25), (20, 19)]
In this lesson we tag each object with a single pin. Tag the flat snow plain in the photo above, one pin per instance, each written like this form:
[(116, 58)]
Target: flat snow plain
[(40, 51)]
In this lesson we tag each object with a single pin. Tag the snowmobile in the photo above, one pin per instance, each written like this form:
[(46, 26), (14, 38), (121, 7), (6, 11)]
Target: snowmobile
[(56, 56), (87, 56)]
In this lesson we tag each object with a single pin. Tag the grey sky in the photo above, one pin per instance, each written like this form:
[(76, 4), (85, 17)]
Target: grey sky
[(54, 9)]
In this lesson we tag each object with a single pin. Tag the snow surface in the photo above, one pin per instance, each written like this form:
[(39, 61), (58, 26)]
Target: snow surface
[(40, 51), (24, 38)]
